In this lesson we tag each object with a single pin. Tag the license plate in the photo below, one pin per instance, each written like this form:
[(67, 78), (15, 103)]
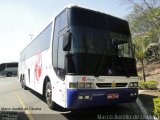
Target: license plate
[(113, 96)]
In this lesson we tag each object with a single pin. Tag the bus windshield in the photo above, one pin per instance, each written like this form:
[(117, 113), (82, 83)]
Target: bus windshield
[(94, 41), (88, 40), (121, 45), (93, 32), (2, 67), (100, 45)]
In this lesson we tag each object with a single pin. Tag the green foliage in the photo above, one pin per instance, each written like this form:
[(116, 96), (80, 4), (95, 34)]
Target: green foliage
[(156, 107), (153, 52), (142, 85), (145, 27), (144, 21), (149, 85)]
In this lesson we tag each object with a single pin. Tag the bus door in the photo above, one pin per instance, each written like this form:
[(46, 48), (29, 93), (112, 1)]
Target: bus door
[(60, 70), (59, 56)]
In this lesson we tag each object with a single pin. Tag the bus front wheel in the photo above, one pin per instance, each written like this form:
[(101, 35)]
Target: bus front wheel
[(48, 95)]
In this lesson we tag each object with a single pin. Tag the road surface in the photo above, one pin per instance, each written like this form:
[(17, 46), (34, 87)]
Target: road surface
[(19, 104)]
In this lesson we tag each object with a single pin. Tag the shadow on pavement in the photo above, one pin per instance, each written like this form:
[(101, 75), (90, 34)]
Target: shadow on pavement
[(42, 98), (111, 112), (2, 76), (100, 113)]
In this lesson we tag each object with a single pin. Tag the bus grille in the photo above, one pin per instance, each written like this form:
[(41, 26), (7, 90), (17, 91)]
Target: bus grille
[(106, 85)]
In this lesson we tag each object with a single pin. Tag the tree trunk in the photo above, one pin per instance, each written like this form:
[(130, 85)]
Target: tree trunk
[(143, 70)]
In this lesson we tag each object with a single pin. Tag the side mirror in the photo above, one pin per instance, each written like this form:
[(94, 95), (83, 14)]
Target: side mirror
[(67, 41)]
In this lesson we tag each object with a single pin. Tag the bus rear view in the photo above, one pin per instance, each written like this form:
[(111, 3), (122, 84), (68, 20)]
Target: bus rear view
[(89, 61)]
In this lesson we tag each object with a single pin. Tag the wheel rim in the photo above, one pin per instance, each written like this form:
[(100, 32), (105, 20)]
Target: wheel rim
[(49, 96), (22, 83), (9, 74)]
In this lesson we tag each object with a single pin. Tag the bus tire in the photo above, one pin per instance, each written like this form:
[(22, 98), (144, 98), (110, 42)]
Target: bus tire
[(9, 74), (23, 83), (48, 95)]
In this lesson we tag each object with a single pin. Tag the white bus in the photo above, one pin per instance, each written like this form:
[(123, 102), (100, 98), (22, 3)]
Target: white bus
[(8, 69), (83, 58)]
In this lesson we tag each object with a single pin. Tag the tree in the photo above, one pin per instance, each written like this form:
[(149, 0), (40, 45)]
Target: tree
[(145, 17), (140, 50), (146, 13), (145, 26)]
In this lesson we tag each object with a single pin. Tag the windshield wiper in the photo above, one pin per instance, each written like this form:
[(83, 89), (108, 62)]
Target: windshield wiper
[(101, 64)]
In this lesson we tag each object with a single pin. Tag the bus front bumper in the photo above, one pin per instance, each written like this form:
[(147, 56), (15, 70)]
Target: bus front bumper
[(83, 98)]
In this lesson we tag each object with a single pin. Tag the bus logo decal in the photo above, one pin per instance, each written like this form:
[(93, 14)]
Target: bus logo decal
[(38, 66), (113, 84)]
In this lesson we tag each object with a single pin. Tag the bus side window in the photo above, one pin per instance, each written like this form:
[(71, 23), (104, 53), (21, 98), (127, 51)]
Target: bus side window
[(55, 42), (63, 21)]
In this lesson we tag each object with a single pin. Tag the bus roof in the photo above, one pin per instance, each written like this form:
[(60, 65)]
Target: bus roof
[(87, 8), (68, 7)]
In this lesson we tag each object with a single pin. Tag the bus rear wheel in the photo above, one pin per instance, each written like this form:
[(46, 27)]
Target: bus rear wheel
[(48, 95), (9, 74), (23, 83)]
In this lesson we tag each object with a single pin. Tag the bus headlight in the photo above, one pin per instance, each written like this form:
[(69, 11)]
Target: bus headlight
[(86, 85), (133, 84), (73, 85), (81, 85)]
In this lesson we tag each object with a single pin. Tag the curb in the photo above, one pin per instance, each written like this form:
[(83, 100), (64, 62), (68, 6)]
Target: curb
[(146, 115), (139, 103)]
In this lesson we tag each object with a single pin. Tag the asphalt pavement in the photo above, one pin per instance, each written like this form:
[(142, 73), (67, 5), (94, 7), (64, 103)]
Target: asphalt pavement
[(19, 104)]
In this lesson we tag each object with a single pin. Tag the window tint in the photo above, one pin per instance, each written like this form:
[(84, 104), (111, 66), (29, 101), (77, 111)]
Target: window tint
[(63, 22), (2, 66), (55, 41), (87, 18), (88, 40), (61, 54), (118, 26), (121, 45), (12, 64), (58, 53), (39, 44)]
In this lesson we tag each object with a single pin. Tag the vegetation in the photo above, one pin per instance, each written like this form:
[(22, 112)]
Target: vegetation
[(145, 29), (149, 85), (142, 85), (144, 20), (157, 107)]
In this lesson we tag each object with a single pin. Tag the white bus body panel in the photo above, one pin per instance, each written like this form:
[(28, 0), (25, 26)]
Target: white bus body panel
[(27, 68)]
